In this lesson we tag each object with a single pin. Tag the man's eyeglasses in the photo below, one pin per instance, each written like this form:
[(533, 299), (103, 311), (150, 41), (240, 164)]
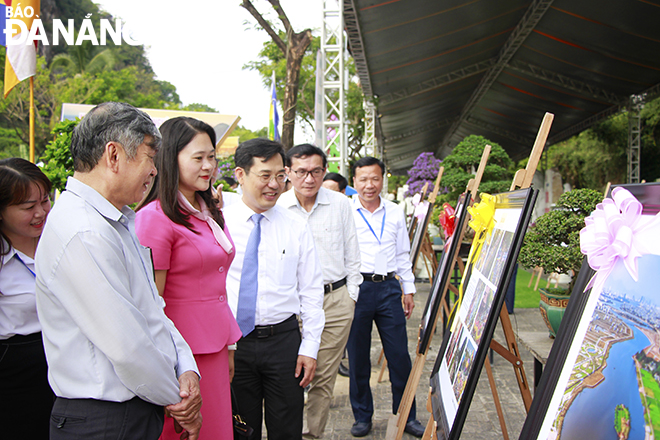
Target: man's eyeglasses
[(302, 174), (267, 177)]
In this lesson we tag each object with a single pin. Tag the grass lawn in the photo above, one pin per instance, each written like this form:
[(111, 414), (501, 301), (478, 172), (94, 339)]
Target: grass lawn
[(526, 297)]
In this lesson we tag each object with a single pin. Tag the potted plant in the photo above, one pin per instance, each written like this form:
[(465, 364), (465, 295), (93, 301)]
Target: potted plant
[(553, 243)]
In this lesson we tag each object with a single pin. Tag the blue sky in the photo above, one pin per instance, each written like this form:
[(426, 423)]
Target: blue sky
[(648, 270)]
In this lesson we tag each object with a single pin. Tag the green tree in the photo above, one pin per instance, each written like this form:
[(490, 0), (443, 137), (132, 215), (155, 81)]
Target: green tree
[(599, 155), (58, 163), (585, 161), (293, 46), (10, 144), (83, 58), (15, 109), (245, 134), (553, 242), (197, 107), (271, 59), (461, 166)]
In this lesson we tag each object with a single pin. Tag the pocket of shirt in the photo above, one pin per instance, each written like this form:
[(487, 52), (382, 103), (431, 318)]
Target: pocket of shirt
[(288, 270)]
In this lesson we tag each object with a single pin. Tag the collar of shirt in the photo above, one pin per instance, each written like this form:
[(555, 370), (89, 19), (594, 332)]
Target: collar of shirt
[(243, 212), (10, 254), (99, 203), (18, 310), (357, 205), (289, 199), (27, 260)]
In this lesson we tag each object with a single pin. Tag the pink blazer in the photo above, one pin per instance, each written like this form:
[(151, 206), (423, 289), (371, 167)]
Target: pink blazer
[(195, 293)]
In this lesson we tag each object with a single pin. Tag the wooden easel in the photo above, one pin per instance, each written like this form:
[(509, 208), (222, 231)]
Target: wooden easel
[(397, 422), (425, 239), (522, 179)]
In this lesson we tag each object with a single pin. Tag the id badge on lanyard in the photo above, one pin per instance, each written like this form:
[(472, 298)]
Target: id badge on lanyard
[(380, 261)]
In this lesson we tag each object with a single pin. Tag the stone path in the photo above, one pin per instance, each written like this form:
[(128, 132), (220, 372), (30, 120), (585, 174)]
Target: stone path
[(482, 422)]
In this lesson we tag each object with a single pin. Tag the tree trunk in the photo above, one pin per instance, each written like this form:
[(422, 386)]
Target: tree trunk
[(297, 44), (294, 49)]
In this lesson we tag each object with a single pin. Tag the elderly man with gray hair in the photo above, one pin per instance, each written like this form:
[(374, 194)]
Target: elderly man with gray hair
[(114, 358)]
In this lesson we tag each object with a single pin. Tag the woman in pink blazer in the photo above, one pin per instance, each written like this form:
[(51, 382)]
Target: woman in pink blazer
[(192, 251)]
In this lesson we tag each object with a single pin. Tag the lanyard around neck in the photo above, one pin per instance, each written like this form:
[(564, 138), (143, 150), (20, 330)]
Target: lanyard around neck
[(26, 266), (382, 226)]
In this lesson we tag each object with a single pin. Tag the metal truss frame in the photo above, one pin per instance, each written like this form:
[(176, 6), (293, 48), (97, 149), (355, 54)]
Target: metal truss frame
[(526, 25), (334, 83), (634, 137)]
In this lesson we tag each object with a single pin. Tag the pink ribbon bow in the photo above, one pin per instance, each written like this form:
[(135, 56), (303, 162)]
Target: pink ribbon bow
[(615, 231), (421, 207)]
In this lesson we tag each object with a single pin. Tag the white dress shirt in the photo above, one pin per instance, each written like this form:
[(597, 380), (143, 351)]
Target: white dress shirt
[(18, 308), (290, 278), (332, 225), (229, 198), (394, 244), (104, 330)]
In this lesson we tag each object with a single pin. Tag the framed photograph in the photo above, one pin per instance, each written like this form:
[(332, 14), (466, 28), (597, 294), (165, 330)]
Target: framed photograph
[(442, 275), (418, 235), (465, 346), (412, 224), (602, 380)]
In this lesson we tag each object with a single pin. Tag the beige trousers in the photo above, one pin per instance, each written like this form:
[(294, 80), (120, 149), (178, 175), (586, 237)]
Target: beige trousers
[(339, 308)]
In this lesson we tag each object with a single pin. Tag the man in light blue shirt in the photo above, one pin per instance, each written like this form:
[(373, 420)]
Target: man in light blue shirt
[(385, 254), (114, 358)]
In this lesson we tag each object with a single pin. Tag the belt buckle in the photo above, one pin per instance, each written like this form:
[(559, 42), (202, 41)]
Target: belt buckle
[(264, 332), (373, 278)]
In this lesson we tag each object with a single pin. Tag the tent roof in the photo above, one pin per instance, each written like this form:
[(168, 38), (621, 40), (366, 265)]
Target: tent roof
[(442, 70)]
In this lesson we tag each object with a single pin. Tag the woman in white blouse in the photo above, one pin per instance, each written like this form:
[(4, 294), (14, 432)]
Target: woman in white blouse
[(26, 399)]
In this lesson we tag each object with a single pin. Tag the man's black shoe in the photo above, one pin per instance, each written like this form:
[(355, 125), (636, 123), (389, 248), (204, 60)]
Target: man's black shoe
[(360, 429), (343, 369), (413, 427)]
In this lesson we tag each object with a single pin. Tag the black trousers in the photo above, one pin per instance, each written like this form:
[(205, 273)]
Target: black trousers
[(379, 303), (25, 396), (264, 371), (90, 419)]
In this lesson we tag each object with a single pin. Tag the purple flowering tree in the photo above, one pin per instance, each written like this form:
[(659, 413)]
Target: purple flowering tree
[(425, 169), (226, 167)]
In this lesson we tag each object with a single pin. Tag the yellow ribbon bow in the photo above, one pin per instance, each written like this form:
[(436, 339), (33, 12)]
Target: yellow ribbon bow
[(483, 222)]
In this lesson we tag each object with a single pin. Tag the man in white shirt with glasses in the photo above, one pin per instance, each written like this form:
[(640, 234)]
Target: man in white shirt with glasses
[(330, 218)]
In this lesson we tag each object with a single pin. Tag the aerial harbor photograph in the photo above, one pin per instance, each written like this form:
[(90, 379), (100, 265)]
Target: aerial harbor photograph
[(613, 391)]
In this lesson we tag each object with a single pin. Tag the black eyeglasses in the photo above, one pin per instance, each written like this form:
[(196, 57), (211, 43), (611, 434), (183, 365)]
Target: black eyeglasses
[(302, 174)]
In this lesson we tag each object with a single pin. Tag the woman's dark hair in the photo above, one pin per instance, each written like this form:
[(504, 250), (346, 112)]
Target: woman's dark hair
[(177, 133), (16, 178)]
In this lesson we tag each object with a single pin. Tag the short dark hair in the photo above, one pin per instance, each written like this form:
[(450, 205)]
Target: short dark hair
[(368, 161), (303, 150), (16, 178), (177, 134), (258, 147), (230, 181), (107, 122), (341, 180)]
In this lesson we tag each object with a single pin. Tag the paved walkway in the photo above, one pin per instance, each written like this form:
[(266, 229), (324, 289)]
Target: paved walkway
[(482, 422)]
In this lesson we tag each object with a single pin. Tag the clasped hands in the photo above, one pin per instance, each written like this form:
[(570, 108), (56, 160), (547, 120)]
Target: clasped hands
[(186, 415)]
